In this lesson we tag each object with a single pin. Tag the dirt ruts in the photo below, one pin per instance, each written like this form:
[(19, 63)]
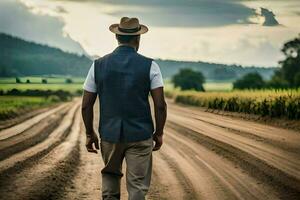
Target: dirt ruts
[(204, 156)]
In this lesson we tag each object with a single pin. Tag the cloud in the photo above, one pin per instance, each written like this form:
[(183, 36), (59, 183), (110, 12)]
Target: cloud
[(180, 13), (39, 28), (269, 17), (179, 29), (60, 9)]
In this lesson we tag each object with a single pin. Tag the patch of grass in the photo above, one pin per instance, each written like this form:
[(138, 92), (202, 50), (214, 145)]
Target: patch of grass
[(74, 87), (218, 86), (11, 106), (208, 86)]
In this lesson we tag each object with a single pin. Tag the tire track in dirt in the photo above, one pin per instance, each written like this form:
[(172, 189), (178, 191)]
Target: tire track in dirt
[(175, 173), (26, 158), (172, 185), (48, 176), (279, 137), (205, 156), (226, 178), (265, 152), (187, 171), (22, 117), (262, 171), (20, 128), (32, 135), (86, 183), (273, 166)]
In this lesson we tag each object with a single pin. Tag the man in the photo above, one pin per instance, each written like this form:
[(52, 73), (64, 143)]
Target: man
[(123, 80)]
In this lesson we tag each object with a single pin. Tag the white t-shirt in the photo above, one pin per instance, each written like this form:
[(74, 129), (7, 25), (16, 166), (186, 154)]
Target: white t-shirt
[(154, 76)]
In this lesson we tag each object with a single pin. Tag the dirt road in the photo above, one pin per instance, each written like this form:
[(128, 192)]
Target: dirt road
[(205, 156)]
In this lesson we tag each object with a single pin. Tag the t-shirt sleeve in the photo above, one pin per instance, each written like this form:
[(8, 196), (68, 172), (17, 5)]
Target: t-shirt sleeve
[(89, 83), (155, 76)]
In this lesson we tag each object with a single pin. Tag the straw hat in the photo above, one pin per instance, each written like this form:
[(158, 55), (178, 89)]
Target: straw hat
[(128, 26)]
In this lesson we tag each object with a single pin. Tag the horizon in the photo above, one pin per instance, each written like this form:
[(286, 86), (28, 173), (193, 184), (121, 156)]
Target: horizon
[(171, 60), (255, 30)]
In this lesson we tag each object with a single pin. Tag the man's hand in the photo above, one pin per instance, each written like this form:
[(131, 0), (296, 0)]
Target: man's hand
[(87, 111), (160, 110), (90, 140), (158, 138)]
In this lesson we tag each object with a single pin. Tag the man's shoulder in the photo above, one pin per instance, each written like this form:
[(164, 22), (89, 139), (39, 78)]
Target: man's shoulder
[(144, 57), (98, 60)]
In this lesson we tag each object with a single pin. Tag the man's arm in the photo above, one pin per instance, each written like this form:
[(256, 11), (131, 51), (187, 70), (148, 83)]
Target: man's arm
[(87, 110), (160, 110)]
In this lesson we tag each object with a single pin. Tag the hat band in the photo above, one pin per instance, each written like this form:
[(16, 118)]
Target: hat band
[(129, 30)]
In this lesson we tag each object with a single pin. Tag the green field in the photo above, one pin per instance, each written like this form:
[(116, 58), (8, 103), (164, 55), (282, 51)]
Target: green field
[(53, 83), (38, 79), (59, 83), (39, 86), (11, 106), (208, 86), (218, 86)]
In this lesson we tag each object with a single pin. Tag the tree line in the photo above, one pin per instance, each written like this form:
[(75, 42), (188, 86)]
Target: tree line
[(287, 76), (22, 58)]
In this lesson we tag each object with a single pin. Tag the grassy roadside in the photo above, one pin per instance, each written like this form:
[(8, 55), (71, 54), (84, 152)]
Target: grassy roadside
[(18, 98), (12, 106), (35, 83)]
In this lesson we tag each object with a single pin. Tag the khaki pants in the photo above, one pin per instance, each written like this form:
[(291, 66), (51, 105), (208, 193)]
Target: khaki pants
[(138, 157)]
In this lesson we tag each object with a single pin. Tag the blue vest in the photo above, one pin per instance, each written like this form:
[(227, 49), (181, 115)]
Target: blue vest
[(123, 86)]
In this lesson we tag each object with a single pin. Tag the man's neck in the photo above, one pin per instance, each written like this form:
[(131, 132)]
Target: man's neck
[(128, 45)]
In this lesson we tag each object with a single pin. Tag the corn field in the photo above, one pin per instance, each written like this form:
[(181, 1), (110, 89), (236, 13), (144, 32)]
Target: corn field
[(273, 103)]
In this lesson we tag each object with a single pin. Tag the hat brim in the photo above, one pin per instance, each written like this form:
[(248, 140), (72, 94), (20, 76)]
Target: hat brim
[(114, 28)]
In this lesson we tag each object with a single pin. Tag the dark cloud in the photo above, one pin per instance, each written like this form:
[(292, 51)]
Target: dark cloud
[(185, 13), (60, 9), (17, 20), (269, 17)]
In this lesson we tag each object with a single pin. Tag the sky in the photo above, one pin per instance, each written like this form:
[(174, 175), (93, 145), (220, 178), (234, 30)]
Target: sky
[(245, 32)]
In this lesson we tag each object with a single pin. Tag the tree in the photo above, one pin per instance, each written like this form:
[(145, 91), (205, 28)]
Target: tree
[(188, 79), (69, 80), (44, 81), (18, 80), (297, 79), (290, 67), (27, 81), (249, 81), (277, 81)]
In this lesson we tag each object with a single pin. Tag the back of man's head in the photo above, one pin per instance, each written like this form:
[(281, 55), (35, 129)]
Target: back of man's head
[(127, 39)]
